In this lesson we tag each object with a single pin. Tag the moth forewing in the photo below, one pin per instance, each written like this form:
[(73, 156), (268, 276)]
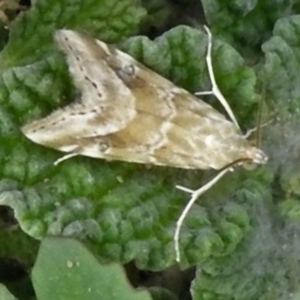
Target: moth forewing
[(105, 105)]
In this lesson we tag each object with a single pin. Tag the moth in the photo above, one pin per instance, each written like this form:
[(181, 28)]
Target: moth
[(127, 112)]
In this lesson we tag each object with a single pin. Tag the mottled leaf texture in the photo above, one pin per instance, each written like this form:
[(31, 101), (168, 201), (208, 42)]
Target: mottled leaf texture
[(31, 34), (283, 89), (246, 24), (243, 235)]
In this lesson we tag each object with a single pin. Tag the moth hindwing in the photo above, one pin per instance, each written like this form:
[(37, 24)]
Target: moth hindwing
[(128, 112)]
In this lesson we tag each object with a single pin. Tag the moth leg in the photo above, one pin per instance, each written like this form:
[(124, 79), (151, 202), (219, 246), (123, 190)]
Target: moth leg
[(65, 157), (250, 131), (215, 89), (195, 195)]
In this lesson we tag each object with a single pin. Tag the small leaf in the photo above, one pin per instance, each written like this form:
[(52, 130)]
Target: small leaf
[(67, 270), (5, 294)]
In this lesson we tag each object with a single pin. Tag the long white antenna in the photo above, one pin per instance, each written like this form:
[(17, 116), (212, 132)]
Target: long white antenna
[(215, 89)]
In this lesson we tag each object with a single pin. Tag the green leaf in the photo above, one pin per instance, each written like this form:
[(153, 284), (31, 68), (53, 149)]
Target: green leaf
[(265, 266), (290, 209), (75, 273), (245, 24), (244, 241), (127, 211), (280, 75), (282, 64), (5, 294), (31, 33)]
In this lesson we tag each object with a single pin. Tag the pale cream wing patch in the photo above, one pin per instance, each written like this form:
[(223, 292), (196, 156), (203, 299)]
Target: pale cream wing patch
[(105, 104)]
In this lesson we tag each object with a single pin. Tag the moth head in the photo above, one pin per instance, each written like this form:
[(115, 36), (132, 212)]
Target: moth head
[(255, 157)]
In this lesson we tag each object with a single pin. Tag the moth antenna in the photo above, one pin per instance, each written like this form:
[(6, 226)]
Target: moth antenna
[(215, 89), (256, 129), (258, 135), (195, 196)]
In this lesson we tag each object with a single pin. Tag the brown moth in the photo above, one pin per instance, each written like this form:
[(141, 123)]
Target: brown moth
[(128, 112)]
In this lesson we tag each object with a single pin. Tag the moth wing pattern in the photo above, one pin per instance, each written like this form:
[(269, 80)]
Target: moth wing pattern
[(104, 105), (128, 112), (172, 127)]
